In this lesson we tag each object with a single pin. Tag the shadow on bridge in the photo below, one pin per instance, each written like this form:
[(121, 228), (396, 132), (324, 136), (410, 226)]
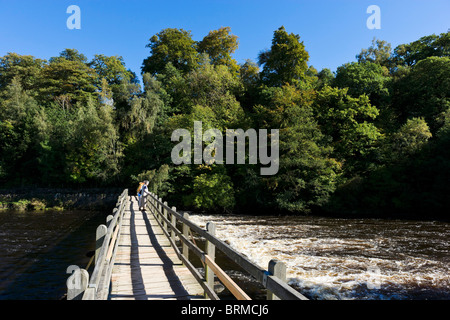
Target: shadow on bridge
[(138, 278)]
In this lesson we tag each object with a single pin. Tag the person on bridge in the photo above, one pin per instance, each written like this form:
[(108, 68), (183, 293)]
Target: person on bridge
[(139, 190), (144, 193)]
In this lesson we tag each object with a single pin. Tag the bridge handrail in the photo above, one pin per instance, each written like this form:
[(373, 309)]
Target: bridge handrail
[(268, 279), (96, 286)]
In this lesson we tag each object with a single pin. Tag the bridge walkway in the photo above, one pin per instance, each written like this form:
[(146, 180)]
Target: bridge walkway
[(146, 266)]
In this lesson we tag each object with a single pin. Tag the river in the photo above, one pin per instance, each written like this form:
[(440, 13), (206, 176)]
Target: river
[(36, 248), (348, 259), (326, 258)]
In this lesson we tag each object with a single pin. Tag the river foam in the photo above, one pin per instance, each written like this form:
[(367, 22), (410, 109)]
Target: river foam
[(346, 259)]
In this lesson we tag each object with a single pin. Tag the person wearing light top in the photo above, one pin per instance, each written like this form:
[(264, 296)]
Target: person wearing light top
[(144, 194)]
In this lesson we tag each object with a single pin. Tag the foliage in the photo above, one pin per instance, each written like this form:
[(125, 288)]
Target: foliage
[(428, 46), (370, 138), (349, 123), (364, 78), (171, 45), (286, 61), (379, 53), (424, 91), (220, 45)]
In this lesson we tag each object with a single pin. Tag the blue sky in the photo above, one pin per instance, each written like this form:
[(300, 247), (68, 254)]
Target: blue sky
[(333, 31)]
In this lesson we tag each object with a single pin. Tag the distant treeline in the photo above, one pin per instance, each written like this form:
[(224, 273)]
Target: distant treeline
[(373, 138)]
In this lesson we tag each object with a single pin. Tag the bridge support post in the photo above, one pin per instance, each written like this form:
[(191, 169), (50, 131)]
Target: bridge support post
[(211, 252), (277, 269), (186, 234)]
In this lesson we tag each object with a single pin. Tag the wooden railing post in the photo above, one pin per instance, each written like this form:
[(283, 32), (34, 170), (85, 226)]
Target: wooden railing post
[(99, 238), (77, 284), (160, 208), (173, 220), (186, 234), (108, 219), (211, 252), (164, 213), (157, 208), (152, 201), (277, 269)]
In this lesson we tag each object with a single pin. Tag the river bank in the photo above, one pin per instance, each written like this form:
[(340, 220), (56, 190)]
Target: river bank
[(40, 199)]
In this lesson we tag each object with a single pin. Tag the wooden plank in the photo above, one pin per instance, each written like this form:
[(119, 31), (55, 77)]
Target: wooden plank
[(146, 266), (226, 280)]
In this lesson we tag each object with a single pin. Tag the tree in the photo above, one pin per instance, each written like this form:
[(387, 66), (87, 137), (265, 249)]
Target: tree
[(94, 150), (249, 73), (220, 45), (71, 55), (215, 87), (286, 61), (209, 86), (364, 78), (171, 45), (26, 69), (22, 126), (325, 78), (379, 53), (349, 123), (409, 139), (68, 82), (141, 119), (307, 175), (424, 92), (428, 46), (212, 190), (111, 68), (250, 78)]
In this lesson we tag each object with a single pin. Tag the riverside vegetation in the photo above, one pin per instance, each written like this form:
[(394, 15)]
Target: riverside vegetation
[(372, 138)]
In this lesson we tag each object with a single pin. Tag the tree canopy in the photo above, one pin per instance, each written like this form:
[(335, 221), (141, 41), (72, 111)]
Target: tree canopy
[(372, 137)]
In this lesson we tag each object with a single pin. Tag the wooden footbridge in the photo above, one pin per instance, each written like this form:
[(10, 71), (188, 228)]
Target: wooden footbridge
[(145, 255)]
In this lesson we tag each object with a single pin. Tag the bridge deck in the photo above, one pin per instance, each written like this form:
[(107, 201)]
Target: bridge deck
[(146, 266)]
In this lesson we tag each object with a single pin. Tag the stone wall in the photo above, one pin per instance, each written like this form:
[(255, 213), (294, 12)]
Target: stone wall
[(59, 199)]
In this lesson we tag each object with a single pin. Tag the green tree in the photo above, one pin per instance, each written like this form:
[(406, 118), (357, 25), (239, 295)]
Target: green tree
[(379, 52), (67, 82), (409, 139), (94, 150), (215, 87), (22, 126), (220, 45), (27, 69), (286, 61), (111, 68), (424, 92), (71, 55), (211, 190), (325, 78), (209, 86), (249, 73), (428, 46), (307, 175), (141, 118), (171, 45), (364, 78), (349, 123)]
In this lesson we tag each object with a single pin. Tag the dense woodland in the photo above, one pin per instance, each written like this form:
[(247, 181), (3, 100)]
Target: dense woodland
[(372, 138)]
